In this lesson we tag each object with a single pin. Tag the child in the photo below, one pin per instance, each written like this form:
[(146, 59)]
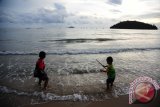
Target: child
[(110, 72), (40, 66)]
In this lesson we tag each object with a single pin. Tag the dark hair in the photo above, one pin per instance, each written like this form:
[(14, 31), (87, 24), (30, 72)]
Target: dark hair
[(42, 54), (109, 60)]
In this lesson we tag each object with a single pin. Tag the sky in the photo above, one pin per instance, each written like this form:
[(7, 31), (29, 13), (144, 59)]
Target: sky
[(77, 12)]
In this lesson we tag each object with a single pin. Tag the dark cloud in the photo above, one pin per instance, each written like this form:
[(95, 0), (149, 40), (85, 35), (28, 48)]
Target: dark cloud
[(43, 15), (6, 17), (117, 2), (52, 16)]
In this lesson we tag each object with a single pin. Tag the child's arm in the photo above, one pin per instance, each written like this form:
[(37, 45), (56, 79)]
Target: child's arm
[(105, 69), (105, 66)]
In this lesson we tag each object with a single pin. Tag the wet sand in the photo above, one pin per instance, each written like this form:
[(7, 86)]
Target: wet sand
[(121, 101)]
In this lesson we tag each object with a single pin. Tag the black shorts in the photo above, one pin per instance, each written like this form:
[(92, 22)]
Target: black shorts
[(43, 76), (110, 80)]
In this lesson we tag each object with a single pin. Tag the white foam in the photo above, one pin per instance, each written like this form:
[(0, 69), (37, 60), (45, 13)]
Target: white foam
[(75, 52), (102, 81), (123, 90), (45, 96)]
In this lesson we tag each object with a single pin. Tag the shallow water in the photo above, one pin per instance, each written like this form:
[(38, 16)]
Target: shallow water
[(71, 62), (75, 78)]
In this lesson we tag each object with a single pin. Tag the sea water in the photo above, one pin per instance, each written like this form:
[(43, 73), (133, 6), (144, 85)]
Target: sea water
[(71, 62)]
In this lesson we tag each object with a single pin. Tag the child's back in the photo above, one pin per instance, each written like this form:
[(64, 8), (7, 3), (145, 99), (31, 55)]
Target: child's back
[(111, 71)]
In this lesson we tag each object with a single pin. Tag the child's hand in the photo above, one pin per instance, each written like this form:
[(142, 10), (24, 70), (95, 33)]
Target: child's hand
[(101, 70)]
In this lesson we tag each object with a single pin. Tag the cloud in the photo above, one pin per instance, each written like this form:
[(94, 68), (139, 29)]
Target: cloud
[(77, 11), (7, 17), (115, 11), (150, 15), (50, 15), (152, 18), (117, 2), (59, 6), (55, 14)]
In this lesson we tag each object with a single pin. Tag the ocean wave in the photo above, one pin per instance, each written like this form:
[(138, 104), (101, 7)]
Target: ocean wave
[(80, 40), (5, 40), (78, 52), (47, 96), (17, 53), (80, 96)]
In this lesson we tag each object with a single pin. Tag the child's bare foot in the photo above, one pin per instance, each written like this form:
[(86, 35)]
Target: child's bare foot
[(107, 88)]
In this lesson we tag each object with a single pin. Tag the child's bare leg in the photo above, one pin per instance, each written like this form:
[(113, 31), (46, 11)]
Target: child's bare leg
[(107, 86), (46, 82), (39, 83), (111, 84), (107, 83)]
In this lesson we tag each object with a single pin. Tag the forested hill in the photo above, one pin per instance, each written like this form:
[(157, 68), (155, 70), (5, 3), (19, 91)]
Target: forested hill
[(133, 25)]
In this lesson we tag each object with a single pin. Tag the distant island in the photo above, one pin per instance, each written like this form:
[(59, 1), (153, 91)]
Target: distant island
[(71, 27), (133, 25)]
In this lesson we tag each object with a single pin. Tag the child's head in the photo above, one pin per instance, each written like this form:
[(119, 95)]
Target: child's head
[(109, 60), (42, 54)]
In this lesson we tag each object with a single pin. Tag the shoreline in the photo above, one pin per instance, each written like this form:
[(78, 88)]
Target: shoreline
[(121, 101)]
